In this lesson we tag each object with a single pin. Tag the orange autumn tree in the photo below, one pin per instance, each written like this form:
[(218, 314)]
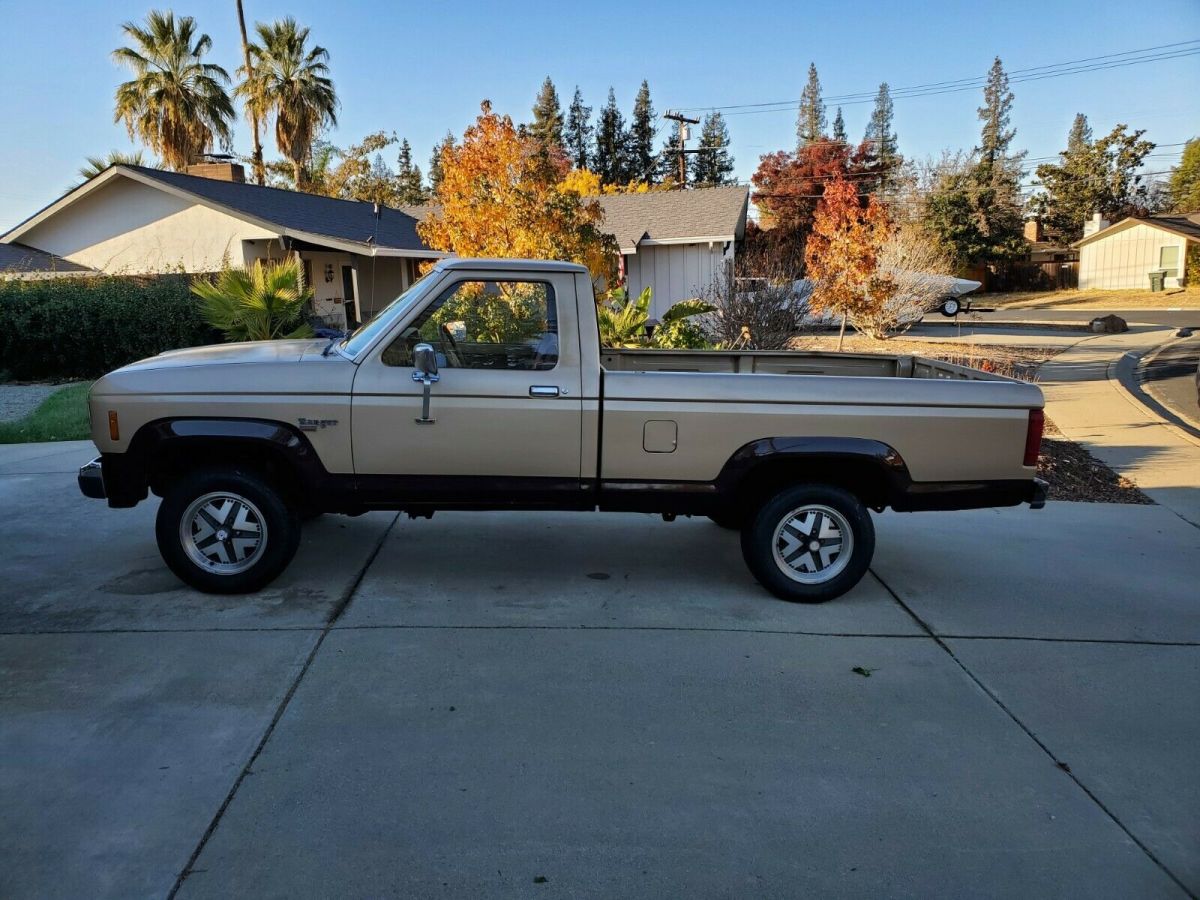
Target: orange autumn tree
[(842, 254), (501, 195)]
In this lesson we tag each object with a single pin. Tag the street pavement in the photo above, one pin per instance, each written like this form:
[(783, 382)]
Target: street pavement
[(1165, 317), (517, 705), (1169, 377)]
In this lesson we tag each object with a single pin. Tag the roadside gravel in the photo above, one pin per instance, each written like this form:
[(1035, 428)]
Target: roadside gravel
[(19, 400)]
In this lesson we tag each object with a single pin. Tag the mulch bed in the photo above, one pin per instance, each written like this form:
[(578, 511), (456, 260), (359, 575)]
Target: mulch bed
[(1074, 474)]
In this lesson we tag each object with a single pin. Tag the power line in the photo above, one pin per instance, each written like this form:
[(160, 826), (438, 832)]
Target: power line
[(1034, 73)]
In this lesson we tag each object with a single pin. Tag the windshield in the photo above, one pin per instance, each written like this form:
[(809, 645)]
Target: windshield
[(362, 336)]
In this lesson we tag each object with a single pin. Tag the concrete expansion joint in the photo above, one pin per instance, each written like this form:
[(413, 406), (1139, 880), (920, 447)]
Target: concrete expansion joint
[(1061, 764), (335, 613)]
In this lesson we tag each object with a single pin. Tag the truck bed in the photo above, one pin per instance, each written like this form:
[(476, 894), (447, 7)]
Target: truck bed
[(789, 362)]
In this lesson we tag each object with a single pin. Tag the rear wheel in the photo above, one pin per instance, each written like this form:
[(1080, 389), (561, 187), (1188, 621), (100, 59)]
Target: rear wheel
[(809, 543), (226, 531)]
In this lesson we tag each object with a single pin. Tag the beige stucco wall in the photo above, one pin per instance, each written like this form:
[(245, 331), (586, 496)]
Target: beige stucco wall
[(130, 228), (1124, 259), (675, 271)]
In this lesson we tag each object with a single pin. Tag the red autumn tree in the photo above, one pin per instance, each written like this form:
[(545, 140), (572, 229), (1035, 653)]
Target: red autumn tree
[(788, 188), (842, 254)]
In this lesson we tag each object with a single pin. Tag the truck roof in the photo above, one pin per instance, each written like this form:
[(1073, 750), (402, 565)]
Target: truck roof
[(520, 265)]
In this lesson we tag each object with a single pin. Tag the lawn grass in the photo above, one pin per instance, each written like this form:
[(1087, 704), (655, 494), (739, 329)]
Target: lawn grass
[(63, 416)]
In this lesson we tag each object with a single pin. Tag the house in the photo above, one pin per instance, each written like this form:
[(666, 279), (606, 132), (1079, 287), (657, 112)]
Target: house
[(1123, 255), (676, 242), (356, 256), (140, 221), (1050, 263)]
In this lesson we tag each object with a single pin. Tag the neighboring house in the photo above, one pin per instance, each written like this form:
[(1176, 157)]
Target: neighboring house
[(676, 242), (19, 261), (137, 221), (357, 256), (1057, 263), (1122, 256)]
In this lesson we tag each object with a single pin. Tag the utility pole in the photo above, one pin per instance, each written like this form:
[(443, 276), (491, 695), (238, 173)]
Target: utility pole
[(683, 121)]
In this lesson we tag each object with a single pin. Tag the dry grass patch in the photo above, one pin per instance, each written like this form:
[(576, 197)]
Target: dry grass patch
[(1186, 298)]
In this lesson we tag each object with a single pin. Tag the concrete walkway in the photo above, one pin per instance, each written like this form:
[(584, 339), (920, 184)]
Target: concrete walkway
[(508, 705), (1085, 399)]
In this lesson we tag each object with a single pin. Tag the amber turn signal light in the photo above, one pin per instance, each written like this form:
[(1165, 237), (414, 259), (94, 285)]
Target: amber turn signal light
[(114, 431)]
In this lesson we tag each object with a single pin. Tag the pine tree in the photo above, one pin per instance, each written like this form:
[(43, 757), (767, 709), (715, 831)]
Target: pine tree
[(996, 115), (578, 136), (810, 123), (435, 161), (547, 125), (668, 157), (881, 139), (1185, 179), (839, 127), (1080, 135), (641, 137), (611, 159), (713, 164), (409, 189)]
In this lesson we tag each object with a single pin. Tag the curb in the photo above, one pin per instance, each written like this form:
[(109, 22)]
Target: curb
[(1123, 372)]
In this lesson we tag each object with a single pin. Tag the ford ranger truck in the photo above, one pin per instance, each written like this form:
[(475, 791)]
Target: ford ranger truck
[(484, 387)]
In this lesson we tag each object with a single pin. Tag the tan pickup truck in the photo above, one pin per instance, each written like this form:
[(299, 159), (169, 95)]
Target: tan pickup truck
[(484, 386)]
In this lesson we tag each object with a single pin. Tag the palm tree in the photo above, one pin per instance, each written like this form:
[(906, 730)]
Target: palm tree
[(94, 165), (291, 83), (176, 104), (247, 70)]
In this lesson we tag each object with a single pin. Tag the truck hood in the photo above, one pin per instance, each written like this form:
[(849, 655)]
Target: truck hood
[(225, 354), (258, 367)]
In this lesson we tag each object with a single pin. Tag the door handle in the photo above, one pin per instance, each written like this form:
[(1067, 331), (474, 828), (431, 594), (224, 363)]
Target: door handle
[(543, 390)]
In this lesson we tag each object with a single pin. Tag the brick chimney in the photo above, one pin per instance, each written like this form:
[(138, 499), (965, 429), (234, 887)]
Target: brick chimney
[(221, 171), (1033, 230)]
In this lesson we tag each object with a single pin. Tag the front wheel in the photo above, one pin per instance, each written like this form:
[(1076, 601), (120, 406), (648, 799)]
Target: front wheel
[(226, 530), (951, 307), (809, 543)]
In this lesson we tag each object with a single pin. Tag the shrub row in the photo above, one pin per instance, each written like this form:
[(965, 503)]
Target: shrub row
[(84, 327)]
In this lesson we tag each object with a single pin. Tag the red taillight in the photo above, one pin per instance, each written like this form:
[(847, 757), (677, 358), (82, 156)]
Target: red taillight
[(1033, 436)]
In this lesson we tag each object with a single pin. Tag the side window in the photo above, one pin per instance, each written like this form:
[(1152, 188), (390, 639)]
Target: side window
[(485, 324), (1168, 258)]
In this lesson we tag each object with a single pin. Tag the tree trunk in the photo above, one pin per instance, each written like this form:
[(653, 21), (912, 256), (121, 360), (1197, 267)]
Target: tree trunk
[(842, 332), (260, 175), (298, 174)]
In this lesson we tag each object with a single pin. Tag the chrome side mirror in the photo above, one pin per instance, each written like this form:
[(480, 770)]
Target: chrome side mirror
[(425, 370), (425, 363)]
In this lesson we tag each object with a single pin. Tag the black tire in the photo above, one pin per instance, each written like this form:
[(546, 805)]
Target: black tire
[(951, 307), (257, 508), (727, 520), (767, 532)]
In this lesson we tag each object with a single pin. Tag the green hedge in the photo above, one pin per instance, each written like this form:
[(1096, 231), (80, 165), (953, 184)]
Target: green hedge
[(85, 327)]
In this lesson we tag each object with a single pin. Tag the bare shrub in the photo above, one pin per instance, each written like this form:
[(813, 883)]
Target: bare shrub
[(750, 313), (920, 270)]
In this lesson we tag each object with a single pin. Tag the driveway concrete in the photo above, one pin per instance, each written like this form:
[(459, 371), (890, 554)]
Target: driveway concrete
[(470, 705)]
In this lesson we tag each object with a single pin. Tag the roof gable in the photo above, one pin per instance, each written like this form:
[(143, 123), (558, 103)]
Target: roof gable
[(305, 216), (698, 214), (1185, 225)]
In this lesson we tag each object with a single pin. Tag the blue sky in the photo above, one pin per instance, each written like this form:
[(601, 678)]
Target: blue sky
[(422, 68)]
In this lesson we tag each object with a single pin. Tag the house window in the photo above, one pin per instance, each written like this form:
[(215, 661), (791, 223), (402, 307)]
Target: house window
[(1168, 259)]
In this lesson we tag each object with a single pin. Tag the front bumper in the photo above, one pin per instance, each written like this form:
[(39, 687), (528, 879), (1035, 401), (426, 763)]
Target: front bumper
[(91, 480)]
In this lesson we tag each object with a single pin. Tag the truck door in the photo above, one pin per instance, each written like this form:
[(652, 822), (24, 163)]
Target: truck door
[(506, 411)]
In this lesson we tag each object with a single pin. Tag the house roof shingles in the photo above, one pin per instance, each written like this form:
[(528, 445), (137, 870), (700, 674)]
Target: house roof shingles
[(345, 220), (19, 258), (707, 212)]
